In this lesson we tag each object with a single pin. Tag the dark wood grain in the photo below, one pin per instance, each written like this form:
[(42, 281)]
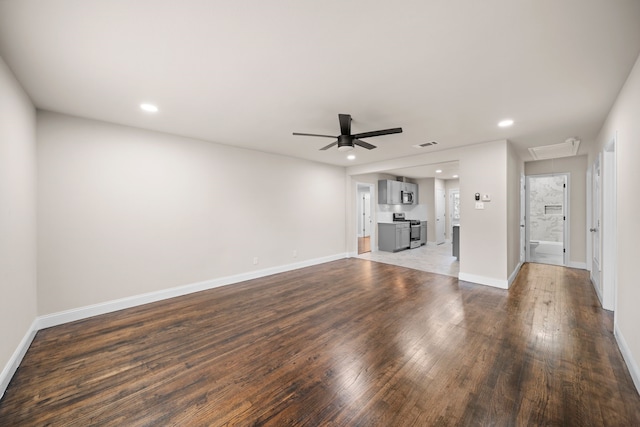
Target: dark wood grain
[(351, 342)]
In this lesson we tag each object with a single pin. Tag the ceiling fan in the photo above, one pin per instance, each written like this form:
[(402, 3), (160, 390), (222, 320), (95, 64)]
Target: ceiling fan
[(346, 141)]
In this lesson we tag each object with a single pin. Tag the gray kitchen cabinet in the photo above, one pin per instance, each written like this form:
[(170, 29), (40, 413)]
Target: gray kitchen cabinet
[(393, 237), (423, 232), (389, 192), (403, 237)]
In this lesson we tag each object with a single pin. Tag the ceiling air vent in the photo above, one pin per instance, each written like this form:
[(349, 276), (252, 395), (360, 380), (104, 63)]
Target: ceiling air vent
[(565, 149), (426, 144)]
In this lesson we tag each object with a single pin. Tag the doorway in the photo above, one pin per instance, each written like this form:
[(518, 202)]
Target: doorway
[(602, 225), (454, 210), (363, 217), (441, 219), (547, 219)]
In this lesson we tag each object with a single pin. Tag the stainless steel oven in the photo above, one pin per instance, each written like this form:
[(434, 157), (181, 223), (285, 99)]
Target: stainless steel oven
[(414, 241), (415, 234)]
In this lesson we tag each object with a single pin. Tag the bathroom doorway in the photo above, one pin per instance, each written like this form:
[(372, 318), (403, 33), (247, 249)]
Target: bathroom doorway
[(547, 219)]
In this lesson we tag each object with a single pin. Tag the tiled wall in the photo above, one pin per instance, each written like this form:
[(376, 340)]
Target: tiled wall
[(546, 198)]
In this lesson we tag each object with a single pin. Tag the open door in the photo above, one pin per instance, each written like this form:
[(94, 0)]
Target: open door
[(547, 218), (595, 225)]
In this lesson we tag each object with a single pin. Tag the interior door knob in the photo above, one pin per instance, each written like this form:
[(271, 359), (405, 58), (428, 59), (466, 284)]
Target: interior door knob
[(593, 230)]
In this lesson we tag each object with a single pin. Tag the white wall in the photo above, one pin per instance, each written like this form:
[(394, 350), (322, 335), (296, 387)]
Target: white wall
[(483, 233), (515, 168), (577, 169), (124, 211), (17, 218), (427, 197), (623, 122)]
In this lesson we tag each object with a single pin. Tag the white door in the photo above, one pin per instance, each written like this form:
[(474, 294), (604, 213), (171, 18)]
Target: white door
[(441, 219), (523, 226), (454, 209), (366, 214), (595, 224)]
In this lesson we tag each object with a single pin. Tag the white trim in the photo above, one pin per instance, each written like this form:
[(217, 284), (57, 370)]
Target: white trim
[(59, 318), (481, 280), (576, 264), (513, 275), (628, 357), (372, 215), (16, 358), (597, 289), (80, 313)]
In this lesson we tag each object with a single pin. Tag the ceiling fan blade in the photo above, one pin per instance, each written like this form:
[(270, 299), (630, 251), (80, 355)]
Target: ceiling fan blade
[(329, 146), (345, 124), (363, 144), (314, 134), (378, 133)]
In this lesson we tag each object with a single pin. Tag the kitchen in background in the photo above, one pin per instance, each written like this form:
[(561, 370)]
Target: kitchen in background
[(405, 235)]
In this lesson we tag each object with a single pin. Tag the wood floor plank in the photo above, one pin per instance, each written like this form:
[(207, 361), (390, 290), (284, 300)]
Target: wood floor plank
[(351, 342)]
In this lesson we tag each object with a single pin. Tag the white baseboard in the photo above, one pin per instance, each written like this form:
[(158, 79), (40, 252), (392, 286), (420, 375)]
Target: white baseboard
[(628, 357), (514, 274), (481, 280), (595, 287), (16, 358), (580, 265), (80, 313)]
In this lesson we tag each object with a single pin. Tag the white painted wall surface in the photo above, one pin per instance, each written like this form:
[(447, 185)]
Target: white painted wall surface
[(483, 232), (17, 216), (124, 211), (623, 121)]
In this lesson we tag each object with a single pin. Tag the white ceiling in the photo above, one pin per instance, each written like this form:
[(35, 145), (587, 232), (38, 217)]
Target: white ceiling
[(249, 73)]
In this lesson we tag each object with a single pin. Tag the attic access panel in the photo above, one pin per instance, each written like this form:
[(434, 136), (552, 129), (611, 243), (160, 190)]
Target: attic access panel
[(565, 149)]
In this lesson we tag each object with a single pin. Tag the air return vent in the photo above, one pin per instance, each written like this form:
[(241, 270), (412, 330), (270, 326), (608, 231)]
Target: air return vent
[(426, 144)]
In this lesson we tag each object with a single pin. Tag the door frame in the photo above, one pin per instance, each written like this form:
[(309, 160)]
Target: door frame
[(605, 282), (567, 215), (451, 192), (443, 205), (372, 188), (594, 203)]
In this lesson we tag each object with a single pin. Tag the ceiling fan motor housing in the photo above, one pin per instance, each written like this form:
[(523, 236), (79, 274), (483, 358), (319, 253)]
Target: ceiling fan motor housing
[(345, 143)]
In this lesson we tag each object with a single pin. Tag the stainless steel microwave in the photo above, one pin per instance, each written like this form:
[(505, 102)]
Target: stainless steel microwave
[(407, 197)]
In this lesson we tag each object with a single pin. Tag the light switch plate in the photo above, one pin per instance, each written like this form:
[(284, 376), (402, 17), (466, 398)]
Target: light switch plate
[(479, 205), (486, 197)]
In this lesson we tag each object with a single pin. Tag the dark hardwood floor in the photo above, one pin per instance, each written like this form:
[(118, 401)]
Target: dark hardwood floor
[(351, 342)]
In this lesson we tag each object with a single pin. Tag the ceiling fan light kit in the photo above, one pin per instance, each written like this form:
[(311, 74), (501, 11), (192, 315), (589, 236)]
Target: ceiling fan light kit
[(346, 141)]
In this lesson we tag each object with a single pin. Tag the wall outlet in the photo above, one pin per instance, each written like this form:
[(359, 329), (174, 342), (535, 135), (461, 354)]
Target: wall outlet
[(479, 205), (255, 260), (294, 253)]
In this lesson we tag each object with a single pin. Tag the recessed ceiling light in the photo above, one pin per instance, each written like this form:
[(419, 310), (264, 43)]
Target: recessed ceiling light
[(438, 170), (351, 157), (455, 176), (505, 123), (149, 108)]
